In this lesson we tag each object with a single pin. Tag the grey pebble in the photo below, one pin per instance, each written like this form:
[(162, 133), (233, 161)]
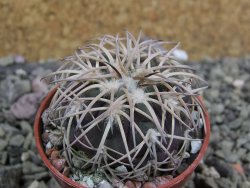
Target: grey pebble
[(6, 61), (10, 176), (224, 182), (3, 144), (2, 132), (12, 88), (104, 184), (36, 176), (53, 183), (3, 157), (235, 124), (17, 140), (31, 168), (224, 169), (27, 141), (37, 184), (203, 181), (25, 127)]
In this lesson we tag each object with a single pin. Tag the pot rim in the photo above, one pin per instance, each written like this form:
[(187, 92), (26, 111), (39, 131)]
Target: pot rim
[(175, 181)]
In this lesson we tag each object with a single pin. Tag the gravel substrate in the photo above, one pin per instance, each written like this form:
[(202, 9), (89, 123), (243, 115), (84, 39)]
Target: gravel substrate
[(227, 161)]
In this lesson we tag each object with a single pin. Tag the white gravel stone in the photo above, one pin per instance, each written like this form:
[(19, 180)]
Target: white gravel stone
[(195, 146)]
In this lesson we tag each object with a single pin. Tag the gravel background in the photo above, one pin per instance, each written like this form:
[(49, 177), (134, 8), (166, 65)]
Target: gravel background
[(227, 161)]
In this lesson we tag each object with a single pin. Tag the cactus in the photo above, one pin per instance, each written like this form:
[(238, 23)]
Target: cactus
[(126, 106)]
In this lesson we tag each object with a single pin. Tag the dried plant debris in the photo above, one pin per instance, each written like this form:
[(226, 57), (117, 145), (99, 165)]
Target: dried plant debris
[(129, 106)]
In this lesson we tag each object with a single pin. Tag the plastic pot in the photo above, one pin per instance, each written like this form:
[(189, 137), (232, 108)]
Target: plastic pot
[(68, 183)]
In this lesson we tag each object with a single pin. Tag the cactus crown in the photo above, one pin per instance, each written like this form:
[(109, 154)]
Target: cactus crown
[(127, 106)]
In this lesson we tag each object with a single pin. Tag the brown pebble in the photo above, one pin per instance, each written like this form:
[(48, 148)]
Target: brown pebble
[(45, 137), (137, 184), (54, 154), (129, 184), (66, 171), (149, 185), (160, 180), (49, 151), (59, 164)]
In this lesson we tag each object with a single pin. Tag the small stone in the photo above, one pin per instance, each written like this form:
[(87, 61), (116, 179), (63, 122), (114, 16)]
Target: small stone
[(21, 72), (160, 180), (6, 61), (49, 150), (11, 89), (53, 183), (235, 124), (238, 83), (42, 175), (195, 146), (219, 119), (226, 147), (220, 154), (55, 140), (121, 168), (138, 184), (37, 184), (25, 127), (59, 164), (45, 137), (14, 151), (31, 168), (129, 184), (3, 157), (35, 157), (25, 156), (224, 169), (17, 140), (27, 141), (39, 86), (218, 108), (224, 182), (247, 157), (238, 168), (66, 171), (2, 132), (241, 152), (182, 167), (232, 158), (180, 54), (149, 185), (3, 144), (36, 176), (10, 176), (26, 106), (246, 184), (55, 154), (203, 181), (19, 59), (228, 79), (214, 94), (241, 141), (88, 180), (15, 160), (104, 184), (211, 172)]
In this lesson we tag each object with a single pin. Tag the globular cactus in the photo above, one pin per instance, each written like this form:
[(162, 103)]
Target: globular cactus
[(126, 106)]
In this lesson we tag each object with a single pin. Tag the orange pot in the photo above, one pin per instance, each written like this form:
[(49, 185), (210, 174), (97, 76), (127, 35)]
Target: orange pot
[(66, 182)]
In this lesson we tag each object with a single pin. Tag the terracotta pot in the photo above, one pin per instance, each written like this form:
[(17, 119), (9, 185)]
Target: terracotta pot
[(68, 183)]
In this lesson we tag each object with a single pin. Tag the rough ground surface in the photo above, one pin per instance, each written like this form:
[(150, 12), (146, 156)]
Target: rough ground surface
[(227, 161), (40, 29)]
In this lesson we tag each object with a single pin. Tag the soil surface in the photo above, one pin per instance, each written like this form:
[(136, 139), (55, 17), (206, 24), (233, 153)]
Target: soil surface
[(227, 161), (43, 29)]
